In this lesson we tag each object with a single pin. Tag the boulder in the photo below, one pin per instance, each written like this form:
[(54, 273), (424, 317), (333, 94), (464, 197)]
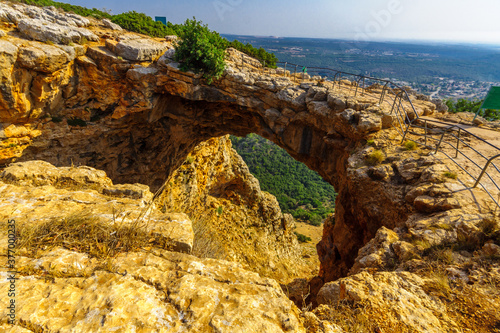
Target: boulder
[(9, 14), (399, 295), (113, 26), (43, 31), (159, 291), (42, 57), (144, 49)]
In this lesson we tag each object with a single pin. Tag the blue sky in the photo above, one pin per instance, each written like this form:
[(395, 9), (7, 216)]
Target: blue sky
[(436, 20)]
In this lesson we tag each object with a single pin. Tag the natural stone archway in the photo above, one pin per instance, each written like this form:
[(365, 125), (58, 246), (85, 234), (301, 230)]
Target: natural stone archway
[(138, 118), (143, 119)]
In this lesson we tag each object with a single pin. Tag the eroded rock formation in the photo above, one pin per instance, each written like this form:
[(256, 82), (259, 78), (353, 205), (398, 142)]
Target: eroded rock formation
[(143, 119), (232, 217), (152, 288), (123, 106)]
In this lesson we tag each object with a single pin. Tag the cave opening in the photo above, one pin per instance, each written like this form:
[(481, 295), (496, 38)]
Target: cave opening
[(299, 190)]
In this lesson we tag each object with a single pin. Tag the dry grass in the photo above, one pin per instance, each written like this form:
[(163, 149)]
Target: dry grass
[(361, 318), (489, 227), (86, 234), (438, 283), (422, 244), (206, 244), (442, 226), (474, 310), (443, 255)]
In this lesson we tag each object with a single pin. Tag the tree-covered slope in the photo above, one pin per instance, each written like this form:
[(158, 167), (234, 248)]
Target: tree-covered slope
[(299, 190)]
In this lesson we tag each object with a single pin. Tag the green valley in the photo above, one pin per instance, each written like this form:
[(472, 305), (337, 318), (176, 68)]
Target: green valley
[(299, 190)]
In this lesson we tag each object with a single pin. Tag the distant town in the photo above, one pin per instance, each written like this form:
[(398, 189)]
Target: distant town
[(444, 88), (441, 71)]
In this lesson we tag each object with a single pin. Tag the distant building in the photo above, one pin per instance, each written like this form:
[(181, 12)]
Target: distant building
[(161, 19)]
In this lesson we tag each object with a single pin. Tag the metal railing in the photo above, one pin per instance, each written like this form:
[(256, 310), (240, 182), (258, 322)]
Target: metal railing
[(388, 89), (409, 120), (456, 143)]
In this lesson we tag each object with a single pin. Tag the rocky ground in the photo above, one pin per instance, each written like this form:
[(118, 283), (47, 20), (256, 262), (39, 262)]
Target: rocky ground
[(86, 110)]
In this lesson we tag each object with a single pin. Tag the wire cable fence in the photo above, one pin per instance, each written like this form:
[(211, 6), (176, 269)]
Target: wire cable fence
[(438, 136)]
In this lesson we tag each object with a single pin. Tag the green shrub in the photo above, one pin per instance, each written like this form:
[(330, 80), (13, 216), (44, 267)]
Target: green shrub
[(451, 175), (141, 23), (219, 210), (302, 238), (464, 105), (375, 157), (410, 145), (370, 142), (265, 57), (99, 14), (315, 220), (201, 50)]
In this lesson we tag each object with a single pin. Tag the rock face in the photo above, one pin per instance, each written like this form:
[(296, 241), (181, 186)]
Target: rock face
[(47, 24), (233, 218), (36, 191), (140, 49), (149, 290), (398, 213), (142, 121), (399, 292)]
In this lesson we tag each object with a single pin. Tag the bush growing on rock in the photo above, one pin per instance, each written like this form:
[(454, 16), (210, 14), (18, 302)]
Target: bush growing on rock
[(302, 238), (99, 14), (375, 157), (139, 22), (410, 145), (201, 50)]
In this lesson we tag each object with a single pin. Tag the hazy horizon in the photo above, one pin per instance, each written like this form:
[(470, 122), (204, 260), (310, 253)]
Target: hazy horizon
[(457, 21), (402, 41)]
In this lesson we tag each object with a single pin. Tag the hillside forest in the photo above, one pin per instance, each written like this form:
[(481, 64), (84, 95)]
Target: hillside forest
[(299, 190)]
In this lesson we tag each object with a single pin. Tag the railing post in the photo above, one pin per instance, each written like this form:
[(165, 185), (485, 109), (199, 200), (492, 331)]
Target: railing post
[(484, 169), (458, 142), (357, 86), (382, 96), (295, 73), (284, 72)]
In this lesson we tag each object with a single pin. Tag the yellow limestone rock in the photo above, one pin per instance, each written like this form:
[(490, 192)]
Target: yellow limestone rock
[(159, 291), (36, 191)]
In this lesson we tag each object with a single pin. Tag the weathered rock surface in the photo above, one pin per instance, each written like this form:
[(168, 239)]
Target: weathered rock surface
[(111, 25), (399, 293), (142, 291), (139, 121), (140, 49), (36, 191), (234, 219), (47, 24)]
